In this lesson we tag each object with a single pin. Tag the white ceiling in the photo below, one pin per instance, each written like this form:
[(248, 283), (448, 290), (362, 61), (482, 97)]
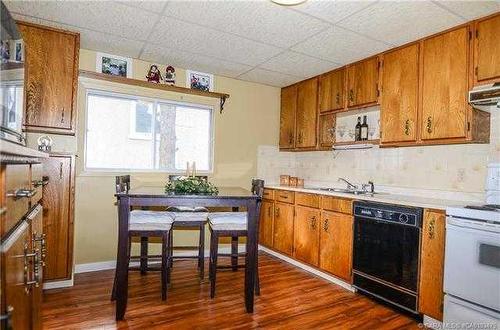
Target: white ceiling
[(256, 40)]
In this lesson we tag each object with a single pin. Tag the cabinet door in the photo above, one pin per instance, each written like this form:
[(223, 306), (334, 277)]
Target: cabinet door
[(283, 228), (432, 265), (266, 223), (326, 130), (306, 234), (362, 83), (287, 116), (487, 50), (445, 85), (51, 78), (331, 87), (57, 216), (399, 100), (336, 244), (17, 270), (307, 106)]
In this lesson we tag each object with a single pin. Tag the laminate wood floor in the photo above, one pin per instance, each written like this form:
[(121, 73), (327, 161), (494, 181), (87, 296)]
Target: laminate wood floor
[(290, 299)]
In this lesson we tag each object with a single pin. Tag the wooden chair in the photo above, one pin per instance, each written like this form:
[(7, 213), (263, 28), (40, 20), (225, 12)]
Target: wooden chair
[(145, 224), (234, 225)]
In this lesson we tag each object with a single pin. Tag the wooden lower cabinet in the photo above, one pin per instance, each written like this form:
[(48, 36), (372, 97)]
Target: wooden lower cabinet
[(306, 234), (58, 216), (336, 237), (266, 223), (432, 264), (283, 228)]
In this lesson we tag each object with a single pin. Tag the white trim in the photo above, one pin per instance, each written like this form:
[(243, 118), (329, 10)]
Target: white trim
[(58, 284), (111, 264), (432, 323), (309, 269)]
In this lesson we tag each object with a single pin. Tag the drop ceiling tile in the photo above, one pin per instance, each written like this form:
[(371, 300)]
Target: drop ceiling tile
[(94, 40), (262, 21), (471, 9), (154, 6), (401, 22), (176, 34), (332, 11), (103, 16), (299, 65), (341, 46), (186, 60), (269, 77)]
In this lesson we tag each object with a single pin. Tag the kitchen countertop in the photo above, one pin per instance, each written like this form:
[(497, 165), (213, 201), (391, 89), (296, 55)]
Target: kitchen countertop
[(416, 201)]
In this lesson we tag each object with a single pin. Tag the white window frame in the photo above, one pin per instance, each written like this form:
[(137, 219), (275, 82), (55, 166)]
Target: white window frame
[(156, 101)]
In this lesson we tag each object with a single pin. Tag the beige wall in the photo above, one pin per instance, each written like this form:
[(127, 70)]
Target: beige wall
[(250, 119)]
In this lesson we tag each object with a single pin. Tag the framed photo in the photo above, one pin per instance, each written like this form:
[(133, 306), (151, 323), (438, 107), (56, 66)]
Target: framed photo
[(200, 80), (18, 51), (114, 65)]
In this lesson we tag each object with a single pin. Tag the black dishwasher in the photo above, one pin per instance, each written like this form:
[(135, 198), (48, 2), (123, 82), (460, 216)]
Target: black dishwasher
[(386, 252)]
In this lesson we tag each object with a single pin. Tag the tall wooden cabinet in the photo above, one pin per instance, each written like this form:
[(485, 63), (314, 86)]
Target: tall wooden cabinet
[(399, 99), (58, 203), (306, 117), (51, 78), (487, 50), (362, 83), (287, 117)]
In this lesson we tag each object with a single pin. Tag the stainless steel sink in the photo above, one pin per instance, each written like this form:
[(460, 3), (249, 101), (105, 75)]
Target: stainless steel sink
[(346, 191)]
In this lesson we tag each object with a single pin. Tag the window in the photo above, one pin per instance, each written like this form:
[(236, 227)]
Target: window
[(133, 133)]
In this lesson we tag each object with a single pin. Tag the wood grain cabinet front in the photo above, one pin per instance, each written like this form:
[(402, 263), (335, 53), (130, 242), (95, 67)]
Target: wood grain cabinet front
[(58, 216), (307, 112), (306, 234), (287, 117), (331, 91), (51, 72), (266, 223), (432, 264), (326, 130), (362, 83), (487, 50), (336, 240), (15, 194), (283, 228)]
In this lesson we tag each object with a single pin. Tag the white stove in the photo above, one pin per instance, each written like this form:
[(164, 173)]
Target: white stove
[(486, 212)]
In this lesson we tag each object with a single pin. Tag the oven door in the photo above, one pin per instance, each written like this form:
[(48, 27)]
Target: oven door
[(387, 251), (472, 262)]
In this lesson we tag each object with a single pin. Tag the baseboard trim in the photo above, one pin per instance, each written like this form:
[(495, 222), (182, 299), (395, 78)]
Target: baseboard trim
[(309, 269), (111, 264), (58, 284)]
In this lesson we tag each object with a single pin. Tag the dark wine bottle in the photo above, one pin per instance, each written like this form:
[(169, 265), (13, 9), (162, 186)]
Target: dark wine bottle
[(357, 130), (364, 130)]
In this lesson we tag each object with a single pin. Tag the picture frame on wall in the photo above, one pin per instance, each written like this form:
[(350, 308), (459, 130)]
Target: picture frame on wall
[(200, 80), (114, 65)]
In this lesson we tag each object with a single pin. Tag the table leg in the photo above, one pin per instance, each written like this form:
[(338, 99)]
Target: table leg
[(251, 259), (122, 260)]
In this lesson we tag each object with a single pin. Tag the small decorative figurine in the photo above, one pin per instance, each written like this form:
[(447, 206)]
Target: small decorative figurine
[(170, 75), (154, 74), (44, 143)]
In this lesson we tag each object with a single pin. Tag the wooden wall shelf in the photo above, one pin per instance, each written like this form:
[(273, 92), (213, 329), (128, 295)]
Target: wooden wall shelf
[(141, 83)]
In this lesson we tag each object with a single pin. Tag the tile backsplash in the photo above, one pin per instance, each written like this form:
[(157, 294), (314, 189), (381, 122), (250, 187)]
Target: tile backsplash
[(450, 168)]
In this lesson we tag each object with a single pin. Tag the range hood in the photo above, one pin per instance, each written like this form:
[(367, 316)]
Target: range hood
[(485, 97)]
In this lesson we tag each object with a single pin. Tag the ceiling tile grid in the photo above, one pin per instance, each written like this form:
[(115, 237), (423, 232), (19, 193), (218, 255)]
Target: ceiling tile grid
[(257, 41)]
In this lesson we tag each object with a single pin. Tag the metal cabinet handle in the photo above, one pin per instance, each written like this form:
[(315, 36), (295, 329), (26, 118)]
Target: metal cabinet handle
[(429, 124), (269, 211), (332, 132), (313, 223), (300, 138), (284, 196), (326, 225), (351, 95), (38, 183), (43, 246), (60, 170), (290, 138), (407, 127), (337, 98), (431, 229), (62, 115), (22, 193), (277, 212)]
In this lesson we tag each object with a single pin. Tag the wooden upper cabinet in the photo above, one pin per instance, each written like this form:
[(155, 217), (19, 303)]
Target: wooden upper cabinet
[(58, 216), (266, 223), (432, 264), (487, 50), (326, 130), (307, 108), (399, 99), (51, 78), (331, 90), (362, 83), (336, 244), (445, 85), (283, 228), (287, 117), (306, 234)]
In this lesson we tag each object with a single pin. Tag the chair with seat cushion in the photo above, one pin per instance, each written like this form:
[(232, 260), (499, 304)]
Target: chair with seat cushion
[(144, 223), (234, 225)]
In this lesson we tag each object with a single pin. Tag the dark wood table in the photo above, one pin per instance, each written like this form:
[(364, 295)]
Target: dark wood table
[(145, 196)]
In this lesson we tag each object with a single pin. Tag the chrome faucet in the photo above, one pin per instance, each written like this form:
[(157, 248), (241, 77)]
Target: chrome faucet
[(349, 185), (369, 184)]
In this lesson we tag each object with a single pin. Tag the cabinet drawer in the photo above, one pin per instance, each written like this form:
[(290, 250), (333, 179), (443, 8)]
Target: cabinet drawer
[(268, 194), (36, 183), (17, 190), (285, 196), (310, 200), (336, 204)]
